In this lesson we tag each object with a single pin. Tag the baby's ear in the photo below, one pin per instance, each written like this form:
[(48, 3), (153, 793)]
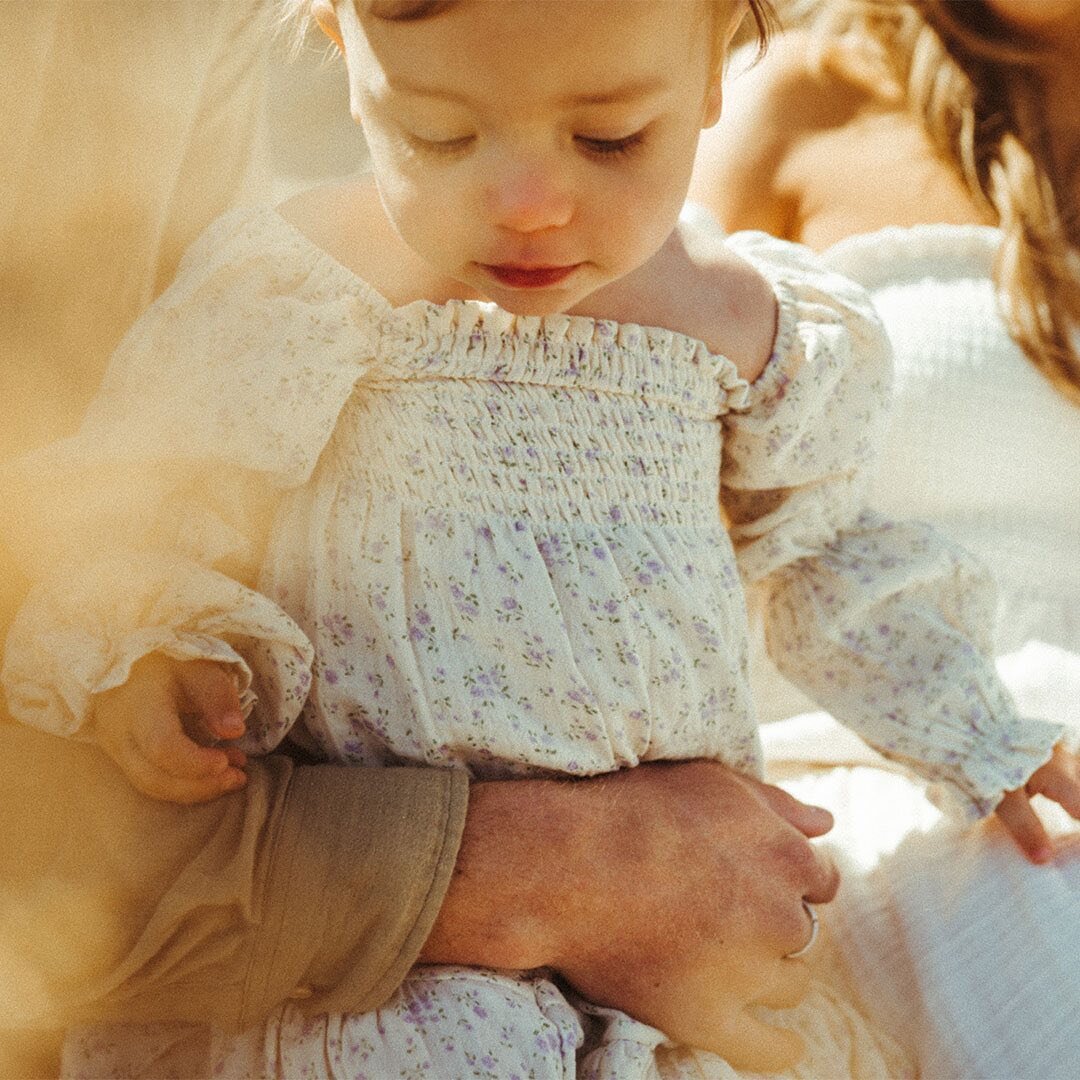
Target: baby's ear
[(346, 33), (714, 97), (324, 14)]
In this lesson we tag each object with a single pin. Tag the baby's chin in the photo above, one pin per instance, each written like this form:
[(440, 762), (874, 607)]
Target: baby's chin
[(534, 301)]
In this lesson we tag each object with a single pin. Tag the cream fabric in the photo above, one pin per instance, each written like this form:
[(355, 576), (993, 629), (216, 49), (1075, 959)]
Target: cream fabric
[(497, 542)]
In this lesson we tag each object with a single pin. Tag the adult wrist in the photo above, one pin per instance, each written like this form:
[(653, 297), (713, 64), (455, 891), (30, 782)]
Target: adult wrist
[(519, 887)]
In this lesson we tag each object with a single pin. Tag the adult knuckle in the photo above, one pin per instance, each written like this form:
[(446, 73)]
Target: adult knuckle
[(796, 853)]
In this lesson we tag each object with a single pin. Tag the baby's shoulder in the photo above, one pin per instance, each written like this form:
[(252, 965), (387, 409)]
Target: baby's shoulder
[(697, 286), (343, 218), (346, 220), (722, 299)]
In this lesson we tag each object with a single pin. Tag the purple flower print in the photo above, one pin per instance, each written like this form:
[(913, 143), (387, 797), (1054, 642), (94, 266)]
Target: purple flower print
[(338, 627), (420, 627), (465, 603)]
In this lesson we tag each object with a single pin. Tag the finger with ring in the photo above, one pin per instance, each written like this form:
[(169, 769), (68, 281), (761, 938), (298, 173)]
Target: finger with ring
[(814, 927)]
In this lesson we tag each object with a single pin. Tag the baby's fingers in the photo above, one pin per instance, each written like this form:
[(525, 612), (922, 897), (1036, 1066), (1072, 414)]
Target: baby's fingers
[(212, 698), (154, 781), (1015, 813), (1059, 779), (161, 741)]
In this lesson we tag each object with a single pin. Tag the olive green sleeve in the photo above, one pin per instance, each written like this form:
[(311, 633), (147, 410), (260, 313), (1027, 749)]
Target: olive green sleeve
[(316, 883)]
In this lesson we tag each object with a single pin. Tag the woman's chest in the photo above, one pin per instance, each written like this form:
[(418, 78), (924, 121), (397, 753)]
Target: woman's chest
[(877, 171)]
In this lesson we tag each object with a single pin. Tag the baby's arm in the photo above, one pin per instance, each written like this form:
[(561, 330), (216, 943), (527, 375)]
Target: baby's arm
[(1059, 780), (162, 726), (885, 624)]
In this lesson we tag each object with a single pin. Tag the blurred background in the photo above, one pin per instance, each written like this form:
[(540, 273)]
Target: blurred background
[(127, 127)]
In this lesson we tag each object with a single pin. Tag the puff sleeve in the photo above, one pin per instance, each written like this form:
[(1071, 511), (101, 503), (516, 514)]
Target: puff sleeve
[(884, 624), (144, 531)]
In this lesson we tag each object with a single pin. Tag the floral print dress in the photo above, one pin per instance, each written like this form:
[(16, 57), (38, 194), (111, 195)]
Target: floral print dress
[(513, 545)]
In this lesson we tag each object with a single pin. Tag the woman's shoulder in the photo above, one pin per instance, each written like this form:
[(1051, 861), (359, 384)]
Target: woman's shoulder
[(816, 143), (771, 108)]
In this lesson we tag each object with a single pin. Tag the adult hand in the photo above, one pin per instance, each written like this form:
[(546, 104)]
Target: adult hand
[(673, 891)]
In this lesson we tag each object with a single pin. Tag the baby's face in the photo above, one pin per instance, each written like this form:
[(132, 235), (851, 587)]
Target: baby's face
[(533, 151)]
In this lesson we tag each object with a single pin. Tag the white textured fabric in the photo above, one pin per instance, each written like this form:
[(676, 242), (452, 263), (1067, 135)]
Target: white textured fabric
[(960, 947), (497, 543), (980, 443)]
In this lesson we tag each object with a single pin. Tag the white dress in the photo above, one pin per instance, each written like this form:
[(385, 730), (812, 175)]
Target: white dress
[(495, 543), (968, 952)]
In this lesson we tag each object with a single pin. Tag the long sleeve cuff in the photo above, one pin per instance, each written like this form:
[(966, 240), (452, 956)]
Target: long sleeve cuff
[(320, 880), (358, 877), (887, 629), (72, 640)]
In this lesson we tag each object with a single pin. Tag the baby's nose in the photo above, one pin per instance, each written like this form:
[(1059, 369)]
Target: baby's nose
[(529, 199)]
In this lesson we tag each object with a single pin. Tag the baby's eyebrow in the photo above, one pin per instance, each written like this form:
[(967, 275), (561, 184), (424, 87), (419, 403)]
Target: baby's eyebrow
[(631, 91)]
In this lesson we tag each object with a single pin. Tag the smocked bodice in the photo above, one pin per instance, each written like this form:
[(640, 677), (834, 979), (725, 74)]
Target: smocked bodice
[(473, 409)]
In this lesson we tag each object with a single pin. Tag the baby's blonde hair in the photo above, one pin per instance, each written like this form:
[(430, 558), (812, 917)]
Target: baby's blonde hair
[(976, 90), (296, 17)]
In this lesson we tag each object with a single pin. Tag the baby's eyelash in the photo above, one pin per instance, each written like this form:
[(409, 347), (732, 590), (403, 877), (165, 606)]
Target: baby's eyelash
[(446, 147), (612, 147)]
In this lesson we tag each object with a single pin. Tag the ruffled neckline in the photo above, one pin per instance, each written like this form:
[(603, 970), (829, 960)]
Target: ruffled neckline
[(462, 337)]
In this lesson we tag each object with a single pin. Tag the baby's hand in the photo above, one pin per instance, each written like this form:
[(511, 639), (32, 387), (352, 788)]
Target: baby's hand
[(1058, 779), (153, 725)]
